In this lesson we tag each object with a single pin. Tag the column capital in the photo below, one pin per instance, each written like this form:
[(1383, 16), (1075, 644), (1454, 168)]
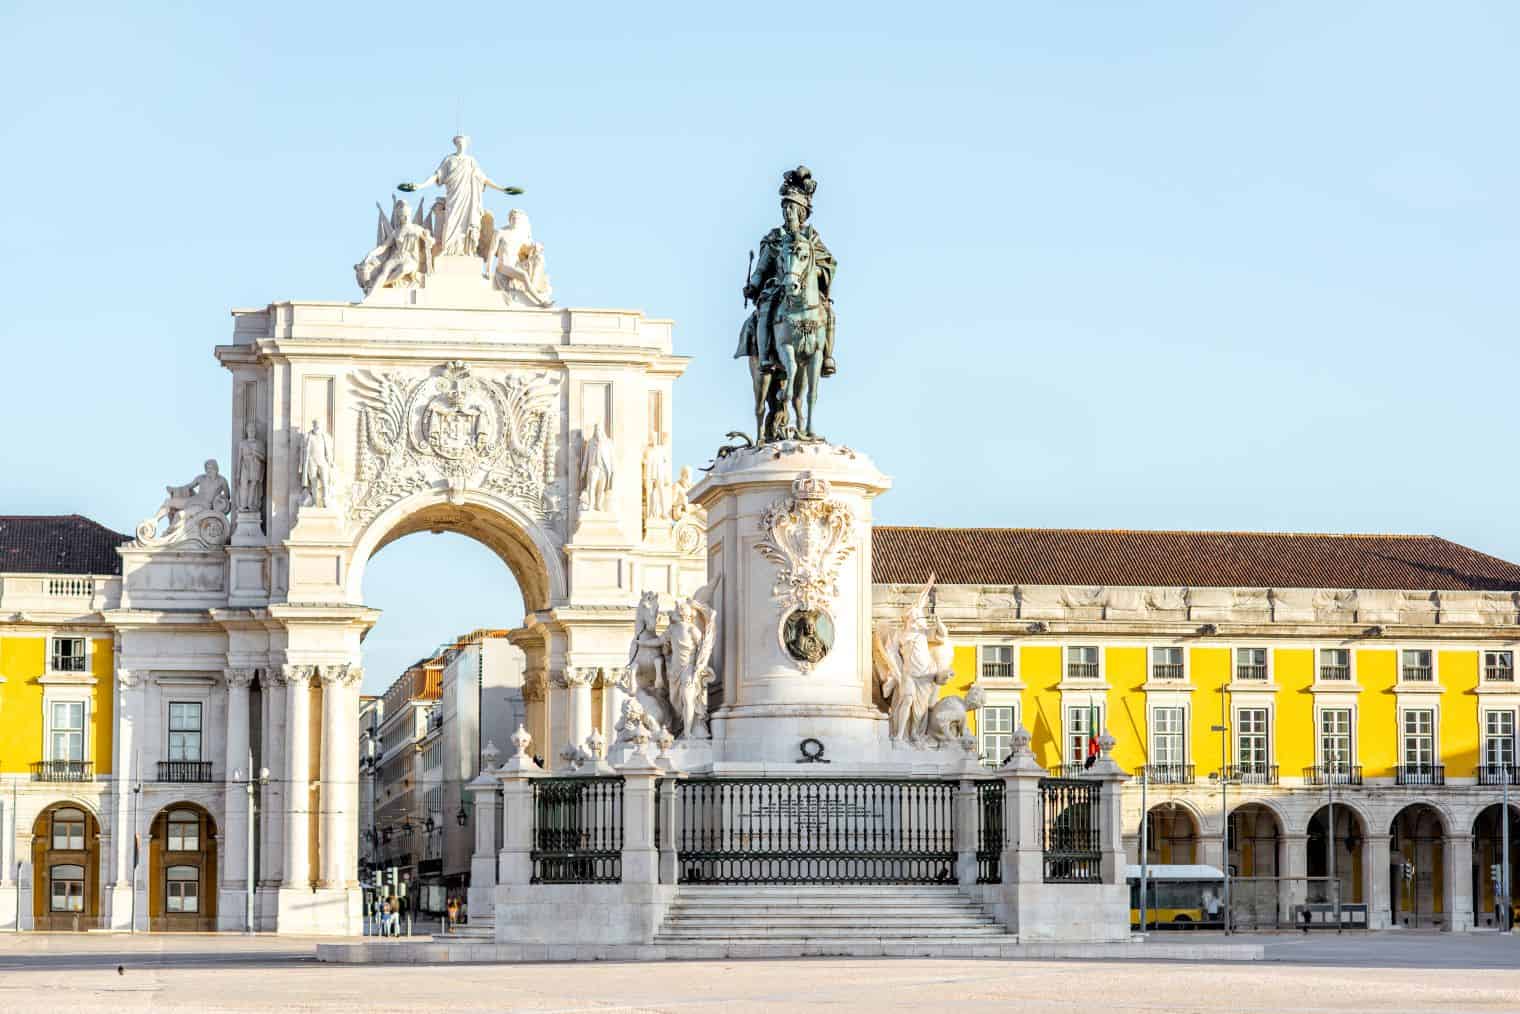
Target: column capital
[(240, 677), (535, 685), (344, 674), (576, 676), (296, 675), (130, 679)]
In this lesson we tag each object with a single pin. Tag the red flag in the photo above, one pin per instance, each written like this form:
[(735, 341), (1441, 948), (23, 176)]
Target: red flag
[(1092, 738)]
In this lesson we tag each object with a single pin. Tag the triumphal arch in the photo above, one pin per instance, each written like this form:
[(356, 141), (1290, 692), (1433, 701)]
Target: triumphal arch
[(452, 397)]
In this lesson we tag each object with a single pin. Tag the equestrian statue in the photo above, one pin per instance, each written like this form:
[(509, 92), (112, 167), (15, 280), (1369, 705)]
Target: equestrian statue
[(789, 337)]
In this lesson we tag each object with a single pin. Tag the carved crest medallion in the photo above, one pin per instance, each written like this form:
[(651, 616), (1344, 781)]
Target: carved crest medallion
[(807, 536)]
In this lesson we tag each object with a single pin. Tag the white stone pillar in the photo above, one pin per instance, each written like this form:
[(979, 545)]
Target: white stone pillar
[(481, 896), (129, 699), (231, 905), (1458, 881), (297, 860), (272, 796), (340, 774), (641, 864), (572, 711), (1377, 858)]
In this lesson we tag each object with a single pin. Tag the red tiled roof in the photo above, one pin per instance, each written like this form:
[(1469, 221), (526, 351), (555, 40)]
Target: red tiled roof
[(1119, 558), (58, 544)]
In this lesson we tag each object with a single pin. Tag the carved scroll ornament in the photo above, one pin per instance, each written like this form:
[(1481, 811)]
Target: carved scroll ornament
[(807, 536)]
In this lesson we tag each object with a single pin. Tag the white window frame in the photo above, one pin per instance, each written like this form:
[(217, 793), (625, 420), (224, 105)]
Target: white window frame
[(199, 731), (1066, 662), (1068, 729), (170, 822), (1487, 737), (1181, 710), (171, 897), (49, 702), (84, 830), (982, 651), (1270, 751), (74, 902), (1319, 732), (1319, 666), (1434, 680), (86, 655), (1435, 735), (1483, 667), (1266, 664), (996, 699), (1151, 663)]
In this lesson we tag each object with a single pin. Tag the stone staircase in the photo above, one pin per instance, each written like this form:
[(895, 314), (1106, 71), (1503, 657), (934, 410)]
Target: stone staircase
[(828, 920)]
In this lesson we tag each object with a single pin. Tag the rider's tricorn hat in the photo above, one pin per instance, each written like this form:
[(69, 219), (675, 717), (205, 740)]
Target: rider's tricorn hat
[(797, 186)]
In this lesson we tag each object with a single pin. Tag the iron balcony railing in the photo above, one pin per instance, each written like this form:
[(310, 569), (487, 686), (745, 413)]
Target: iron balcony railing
[(989, 832), (1167, 671), (997, 670), (63, 771), (1251, 774), (1499, 673), (1333, 774), (1169, 774), (1417, 673), (1070, 830), (184, 771), (1251, 672), (1334, 673), (1082, 670), (577, 830), (1420, 774), (1495, 774), (815, 830)]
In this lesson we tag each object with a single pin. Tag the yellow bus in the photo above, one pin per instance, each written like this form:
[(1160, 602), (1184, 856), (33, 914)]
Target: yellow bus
[(1177, 897)]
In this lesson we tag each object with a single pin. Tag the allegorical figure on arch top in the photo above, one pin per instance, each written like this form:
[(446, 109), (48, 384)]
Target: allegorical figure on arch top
[(789, 338), (464, 184)]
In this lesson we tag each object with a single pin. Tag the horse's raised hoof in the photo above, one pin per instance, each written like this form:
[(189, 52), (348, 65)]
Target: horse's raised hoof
[(829, 368)]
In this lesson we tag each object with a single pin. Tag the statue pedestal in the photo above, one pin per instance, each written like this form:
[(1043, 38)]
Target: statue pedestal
[(789, 532), (249, 530)]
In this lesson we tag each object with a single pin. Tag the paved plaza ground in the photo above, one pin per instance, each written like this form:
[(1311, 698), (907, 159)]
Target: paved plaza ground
[(1388, 973)]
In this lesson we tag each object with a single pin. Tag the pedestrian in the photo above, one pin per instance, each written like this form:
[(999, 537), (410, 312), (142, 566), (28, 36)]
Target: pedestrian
[(1211, 906), (453, 910), (464, 914), (392, 917)]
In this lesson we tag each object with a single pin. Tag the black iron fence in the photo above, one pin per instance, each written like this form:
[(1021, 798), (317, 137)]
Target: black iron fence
[(184, 771), (989, 832), (815, 830), (577, 830), (63, 771), (1071, 830)]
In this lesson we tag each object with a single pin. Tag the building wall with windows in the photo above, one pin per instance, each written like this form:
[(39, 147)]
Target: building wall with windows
[(1395, 700)]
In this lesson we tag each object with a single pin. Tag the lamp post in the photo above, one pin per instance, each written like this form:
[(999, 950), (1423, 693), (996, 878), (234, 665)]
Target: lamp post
[(1224, 802), (1505, 773), (253, 809)]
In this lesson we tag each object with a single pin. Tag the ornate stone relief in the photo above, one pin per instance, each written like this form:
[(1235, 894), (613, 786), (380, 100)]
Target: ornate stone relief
[(807, 536), (535, 685), (195, 513), (344, 674), (297, 674), (240, 677), (454, 427)]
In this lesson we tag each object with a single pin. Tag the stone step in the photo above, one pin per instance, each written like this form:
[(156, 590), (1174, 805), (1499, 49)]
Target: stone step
[(704, 917), (798, 933)]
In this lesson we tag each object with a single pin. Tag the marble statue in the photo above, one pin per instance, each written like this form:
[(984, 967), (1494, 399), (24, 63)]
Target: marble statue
[(789, 338), (596, 470), (402, 255), (316, 467), (912, 657), (656, 484), (636, 724), (433, 222), (688, 646), (197, 510), (680, 506), (517, 263), (250, 471), (947, 719), (464, 184), (644, 675)]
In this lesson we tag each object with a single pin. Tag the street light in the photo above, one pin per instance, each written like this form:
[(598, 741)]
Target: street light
[(462, 817)]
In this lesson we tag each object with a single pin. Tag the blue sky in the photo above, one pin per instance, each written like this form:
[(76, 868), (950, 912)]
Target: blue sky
[(1101, 265)]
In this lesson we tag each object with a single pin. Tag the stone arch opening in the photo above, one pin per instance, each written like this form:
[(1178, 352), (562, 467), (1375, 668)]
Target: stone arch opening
[(1336, 858), (1255, 841), (1171, 835), (1487, 852), (1417, 867), (182, 869), (66, 868)]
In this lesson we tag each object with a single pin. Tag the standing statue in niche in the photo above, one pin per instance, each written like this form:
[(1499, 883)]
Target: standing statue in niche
[(596, 470), (250, 471), (912, 658), (403, 253), (316, 467), (688, 648), (464, 184), (789, 338), (656, 484)]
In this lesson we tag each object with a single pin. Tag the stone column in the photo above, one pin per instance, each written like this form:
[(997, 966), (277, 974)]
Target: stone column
[(129, 697), (1377, 858), (235, 858), (614, 693), (1293, 890), (340, 774), (297, 861), (640, 774), (571, 707), (967, 818), (1458, 881), (535, 692), (272, 796)]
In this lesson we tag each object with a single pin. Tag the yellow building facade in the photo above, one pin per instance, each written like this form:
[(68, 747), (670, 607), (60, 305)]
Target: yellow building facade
[(1351, 726)]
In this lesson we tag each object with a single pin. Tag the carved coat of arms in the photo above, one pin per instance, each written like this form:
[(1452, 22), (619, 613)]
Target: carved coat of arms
[(807, 536), (497, 433)]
